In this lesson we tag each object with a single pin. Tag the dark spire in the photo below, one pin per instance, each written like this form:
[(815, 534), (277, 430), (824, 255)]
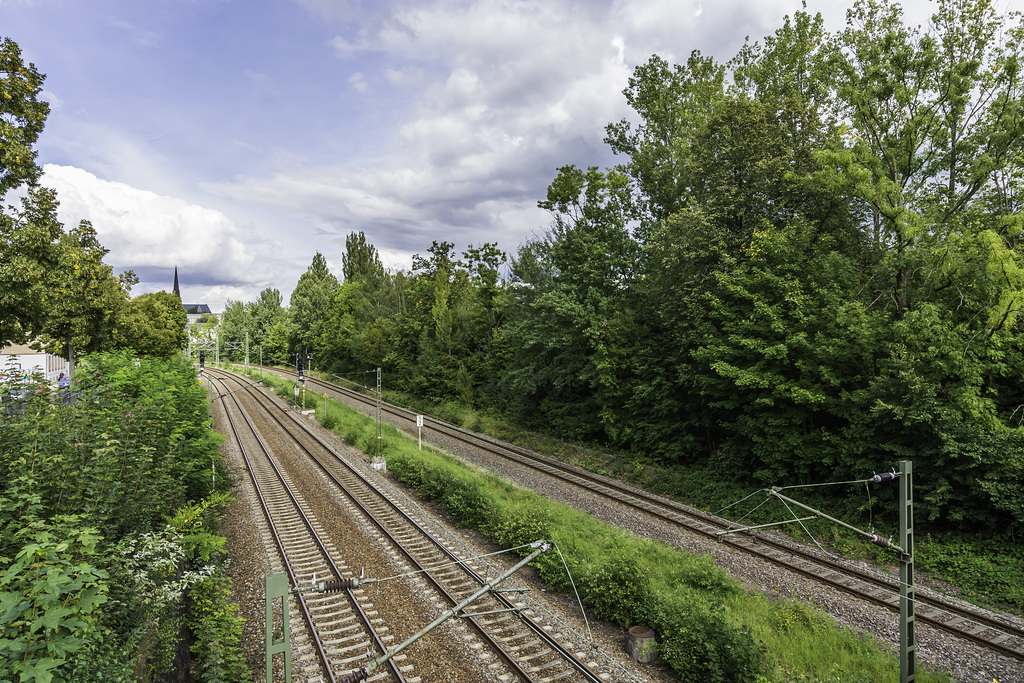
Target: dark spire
[(177, 292)]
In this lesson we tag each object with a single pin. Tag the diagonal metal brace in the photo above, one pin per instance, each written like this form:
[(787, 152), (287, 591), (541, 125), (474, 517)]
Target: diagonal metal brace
[(729, 532), (874, 538), (362, 673)]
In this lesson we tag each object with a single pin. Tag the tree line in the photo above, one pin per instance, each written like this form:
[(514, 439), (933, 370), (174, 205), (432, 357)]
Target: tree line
[(55, 290), (805, 267), (112, 569)]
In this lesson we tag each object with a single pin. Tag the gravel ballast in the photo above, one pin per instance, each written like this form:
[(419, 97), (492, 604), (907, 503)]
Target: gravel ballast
[(936, 649)]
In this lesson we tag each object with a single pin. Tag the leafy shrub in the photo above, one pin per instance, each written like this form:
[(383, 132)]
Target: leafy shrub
[(50, 597), (696, 639), (215, 621), (615, 588), (409, 471), (103, 659), (791, 615), (466, 501), (197, 523), (465, 498), (514, 526), (701, 572)]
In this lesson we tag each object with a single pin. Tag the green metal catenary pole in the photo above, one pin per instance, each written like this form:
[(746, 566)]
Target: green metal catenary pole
[(380, 436), (908, 640), (277, 587)]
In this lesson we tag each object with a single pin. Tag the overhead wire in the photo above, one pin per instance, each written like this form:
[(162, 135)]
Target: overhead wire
[(806, 530), (738, 502), (824, 483)]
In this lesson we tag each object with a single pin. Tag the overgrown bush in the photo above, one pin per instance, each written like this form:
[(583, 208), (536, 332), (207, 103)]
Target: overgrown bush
[(51, 589), (616, 589), (989, 572), (516, 525), (218, 628), (89, 567), (696, 638)]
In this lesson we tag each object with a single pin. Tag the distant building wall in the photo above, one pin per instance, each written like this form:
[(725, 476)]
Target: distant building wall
[(27, 359)]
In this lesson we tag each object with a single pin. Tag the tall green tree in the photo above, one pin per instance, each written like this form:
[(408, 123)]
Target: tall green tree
[(30, 255), (236, 325), (155, 325), (85, 303), (672, 102), (266, 312), (569, 339), (28, 239), (935, 114), (22, 117), (309, 308), (360, 261)]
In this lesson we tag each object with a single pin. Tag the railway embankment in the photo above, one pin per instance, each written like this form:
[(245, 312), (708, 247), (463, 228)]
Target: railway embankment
[(792, 615)]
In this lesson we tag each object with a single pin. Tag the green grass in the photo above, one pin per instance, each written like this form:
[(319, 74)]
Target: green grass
[(709, 627), (986, 571)]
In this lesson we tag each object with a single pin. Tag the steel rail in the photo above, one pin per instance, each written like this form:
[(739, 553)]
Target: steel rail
[(370, 489), (321, 652), (932, 610)]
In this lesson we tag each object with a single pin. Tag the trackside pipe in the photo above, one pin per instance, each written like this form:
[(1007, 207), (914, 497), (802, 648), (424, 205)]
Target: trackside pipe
[(362, 673)]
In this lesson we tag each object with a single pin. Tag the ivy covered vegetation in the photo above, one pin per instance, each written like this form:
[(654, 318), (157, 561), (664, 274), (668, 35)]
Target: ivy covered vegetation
[(108, 518), (806, 267)]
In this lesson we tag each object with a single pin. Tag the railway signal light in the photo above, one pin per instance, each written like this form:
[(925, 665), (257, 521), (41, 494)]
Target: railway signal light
[(202, 359)]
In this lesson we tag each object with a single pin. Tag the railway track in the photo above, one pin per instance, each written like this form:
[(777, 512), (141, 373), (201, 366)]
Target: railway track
[(525, 648), (932, 608), (341, 627)]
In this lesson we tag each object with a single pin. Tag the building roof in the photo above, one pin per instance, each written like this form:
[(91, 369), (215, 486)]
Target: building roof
[(18, 350)]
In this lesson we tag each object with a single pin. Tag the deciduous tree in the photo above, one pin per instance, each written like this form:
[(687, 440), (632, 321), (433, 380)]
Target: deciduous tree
[(22, 117), (309, 307), (155, 325)]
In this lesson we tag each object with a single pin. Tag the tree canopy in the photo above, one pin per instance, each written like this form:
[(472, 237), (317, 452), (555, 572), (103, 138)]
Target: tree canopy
[(806, 266)]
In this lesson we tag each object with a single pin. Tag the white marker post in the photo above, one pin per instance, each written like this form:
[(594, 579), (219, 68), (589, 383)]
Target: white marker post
[(419, 428)]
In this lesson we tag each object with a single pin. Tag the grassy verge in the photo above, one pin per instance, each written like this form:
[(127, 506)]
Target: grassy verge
[(986, 571), (709, 628)]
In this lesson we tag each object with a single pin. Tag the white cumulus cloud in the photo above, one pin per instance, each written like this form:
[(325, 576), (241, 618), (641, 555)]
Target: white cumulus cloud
[(145, 230)]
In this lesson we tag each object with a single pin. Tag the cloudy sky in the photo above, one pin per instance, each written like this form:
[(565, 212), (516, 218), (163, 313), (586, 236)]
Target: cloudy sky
[(236, 138)]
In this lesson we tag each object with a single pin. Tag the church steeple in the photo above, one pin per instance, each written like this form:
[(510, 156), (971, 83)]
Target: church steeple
[(177, 292)]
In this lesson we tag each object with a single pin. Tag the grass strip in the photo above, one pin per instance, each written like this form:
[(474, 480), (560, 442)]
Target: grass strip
[(709, 628)]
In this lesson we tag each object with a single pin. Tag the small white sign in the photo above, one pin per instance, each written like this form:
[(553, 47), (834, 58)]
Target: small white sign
[(419, 420)]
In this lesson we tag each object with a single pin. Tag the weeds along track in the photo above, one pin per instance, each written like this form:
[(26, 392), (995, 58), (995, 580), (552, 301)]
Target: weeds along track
[(932, 608), (340, 627), (511, 642)]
